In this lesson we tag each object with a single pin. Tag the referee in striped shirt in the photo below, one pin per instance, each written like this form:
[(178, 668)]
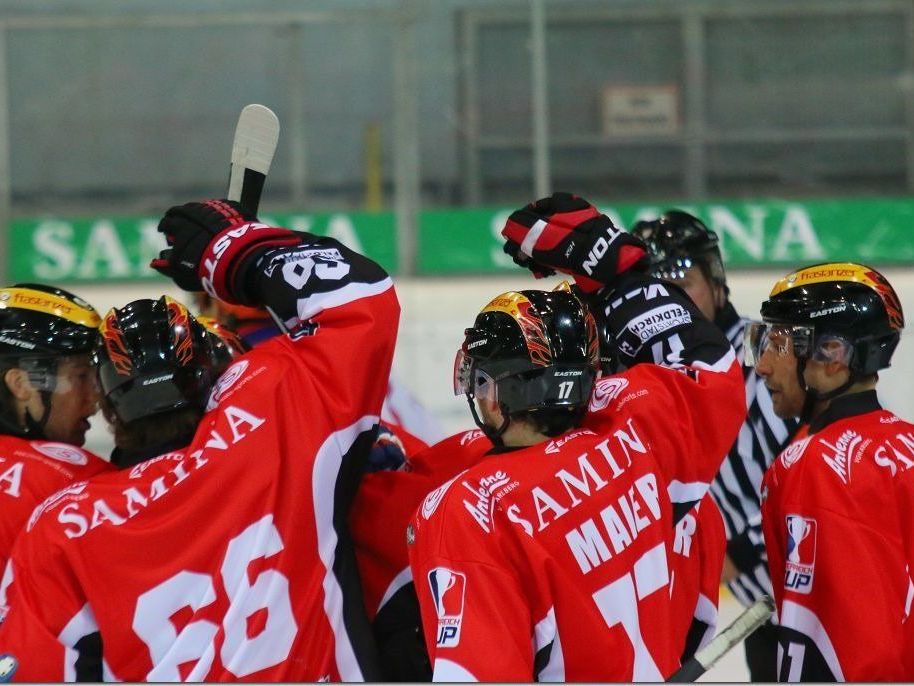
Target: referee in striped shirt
[(686, 252)]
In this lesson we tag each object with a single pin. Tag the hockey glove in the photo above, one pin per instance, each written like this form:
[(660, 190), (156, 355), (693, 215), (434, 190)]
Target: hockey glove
[(521, 260), (188, 229), (208, 241), (566, 233)]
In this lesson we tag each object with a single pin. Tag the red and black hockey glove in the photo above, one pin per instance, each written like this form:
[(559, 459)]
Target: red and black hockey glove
[(208, 241), (566, 233), (188, 229)]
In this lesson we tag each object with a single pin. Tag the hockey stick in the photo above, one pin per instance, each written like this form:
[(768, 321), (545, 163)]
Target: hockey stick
[(734, 634), (256, 137)]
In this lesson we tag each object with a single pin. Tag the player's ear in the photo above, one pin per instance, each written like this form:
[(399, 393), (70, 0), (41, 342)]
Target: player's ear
[(837, 356), (492, 408), (836, 368), (17, 381)]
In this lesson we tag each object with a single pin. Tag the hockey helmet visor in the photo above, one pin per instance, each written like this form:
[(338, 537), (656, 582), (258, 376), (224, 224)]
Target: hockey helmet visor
[(468, 380), (780, 339), (557, 385), (529, 349)]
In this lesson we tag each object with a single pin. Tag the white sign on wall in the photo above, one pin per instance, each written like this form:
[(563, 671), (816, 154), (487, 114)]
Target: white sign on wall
[(640, 110)]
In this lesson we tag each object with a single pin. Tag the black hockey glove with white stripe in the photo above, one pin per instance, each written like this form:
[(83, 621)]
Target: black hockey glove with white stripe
[(566, 233)]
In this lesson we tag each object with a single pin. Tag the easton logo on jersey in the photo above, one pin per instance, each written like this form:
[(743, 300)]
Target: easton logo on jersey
[(448, 588), (801, 553)]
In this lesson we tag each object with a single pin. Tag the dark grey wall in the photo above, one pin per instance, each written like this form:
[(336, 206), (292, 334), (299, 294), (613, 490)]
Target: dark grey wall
[(806, 102)]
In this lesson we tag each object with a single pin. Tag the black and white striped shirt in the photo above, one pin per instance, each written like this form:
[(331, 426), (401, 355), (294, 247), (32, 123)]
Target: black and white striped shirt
[(737, 485)]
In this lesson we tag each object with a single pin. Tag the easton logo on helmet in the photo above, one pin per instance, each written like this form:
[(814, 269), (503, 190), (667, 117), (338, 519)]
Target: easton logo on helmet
[(157, 379), (828, 310), (17, 343)]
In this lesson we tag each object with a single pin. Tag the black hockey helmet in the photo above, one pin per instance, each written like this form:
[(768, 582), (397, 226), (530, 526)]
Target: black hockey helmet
[(227, 345), (529, 350), (837, 301), (676, 241), (40, 325), (44, 321), (154, 357), (609, 362)]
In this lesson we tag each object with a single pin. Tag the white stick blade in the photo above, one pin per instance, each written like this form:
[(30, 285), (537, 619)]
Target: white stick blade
[(256, 137)]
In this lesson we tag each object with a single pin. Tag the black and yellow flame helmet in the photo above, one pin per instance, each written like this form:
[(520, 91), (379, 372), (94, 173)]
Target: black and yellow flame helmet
[(154, 356), (38, 321), (529, 350)]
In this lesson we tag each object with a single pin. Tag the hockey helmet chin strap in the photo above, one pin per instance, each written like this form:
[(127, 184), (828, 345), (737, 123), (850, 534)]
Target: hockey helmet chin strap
[(814, 396), (492, 433), (35, 428)]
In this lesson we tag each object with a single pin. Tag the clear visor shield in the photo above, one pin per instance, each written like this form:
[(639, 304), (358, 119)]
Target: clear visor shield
[(470, 380), (61, 374), (779, 339)]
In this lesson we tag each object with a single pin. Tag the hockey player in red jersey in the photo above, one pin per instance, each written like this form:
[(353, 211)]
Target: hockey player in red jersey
[(157, 421), (685, 252), (401, 409), (399, 489), (47, 395), (227, 556), (837, 510), (383, 507), (394, 483), (699, 544), (549, 560)]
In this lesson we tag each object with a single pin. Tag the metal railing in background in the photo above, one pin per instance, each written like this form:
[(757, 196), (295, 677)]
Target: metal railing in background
[(469, 103), (824, 74), (398, 18)]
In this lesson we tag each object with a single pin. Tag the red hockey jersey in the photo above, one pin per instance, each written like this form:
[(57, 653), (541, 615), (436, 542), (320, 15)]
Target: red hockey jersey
[(553, 562), (383, 508), (837, 516), (699, 546), (229, 559), (385, 504), (697, 555), (30, 471)]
